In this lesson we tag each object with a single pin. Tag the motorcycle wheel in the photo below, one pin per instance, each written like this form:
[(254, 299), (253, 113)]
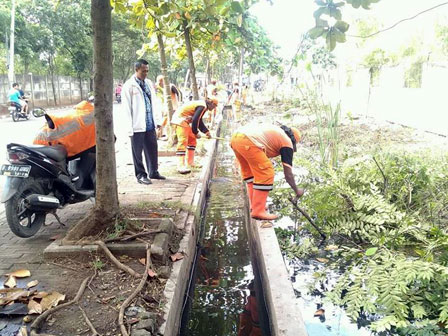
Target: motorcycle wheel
[(21, 221), (15, 116)]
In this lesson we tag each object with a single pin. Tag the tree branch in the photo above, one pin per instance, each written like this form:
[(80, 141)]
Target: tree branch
[(126, 302), (292, 60), (117, 263), (396, 24), (92, 328), (135, 235), (43, 317), (384, 176)]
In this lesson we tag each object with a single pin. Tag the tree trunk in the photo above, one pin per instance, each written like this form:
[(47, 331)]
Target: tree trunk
[(80, 86), (194, 84), (106, 206), (209, 71), (240, 71), (166, 80), (51, 67)]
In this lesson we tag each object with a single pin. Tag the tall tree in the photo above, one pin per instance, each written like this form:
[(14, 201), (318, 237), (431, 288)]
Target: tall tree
[(106, 208)]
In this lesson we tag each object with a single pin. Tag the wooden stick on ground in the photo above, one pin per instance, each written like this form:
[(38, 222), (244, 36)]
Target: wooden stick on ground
[(44, 315), (136, 235), (134, 294), (92, 328), (117, 263)]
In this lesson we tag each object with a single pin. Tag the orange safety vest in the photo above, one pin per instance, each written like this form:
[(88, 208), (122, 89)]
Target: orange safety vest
[(185, 113), (74, 130)]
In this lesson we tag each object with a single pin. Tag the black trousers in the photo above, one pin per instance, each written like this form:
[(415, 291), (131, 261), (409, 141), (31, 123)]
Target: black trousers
[(144, 142)]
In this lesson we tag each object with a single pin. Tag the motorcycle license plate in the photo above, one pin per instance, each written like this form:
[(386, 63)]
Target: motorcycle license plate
[(15, 170)]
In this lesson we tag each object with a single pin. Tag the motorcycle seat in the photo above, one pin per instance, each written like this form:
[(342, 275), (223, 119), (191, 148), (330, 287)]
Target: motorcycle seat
[(57, 152)]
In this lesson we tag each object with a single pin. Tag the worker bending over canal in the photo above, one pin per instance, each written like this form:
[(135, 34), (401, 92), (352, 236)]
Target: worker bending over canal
[(253, 146), (188, 121)]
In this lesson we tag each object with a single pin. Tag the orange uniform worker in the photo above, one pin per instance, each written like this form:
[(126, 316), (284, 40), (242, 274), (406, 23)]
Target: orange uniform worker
[(188, 119), (253, 146), (74, 130)]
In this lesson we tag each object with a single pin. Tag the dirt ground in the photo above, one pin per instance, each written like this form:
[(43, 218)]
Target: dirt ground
[(110, 286)]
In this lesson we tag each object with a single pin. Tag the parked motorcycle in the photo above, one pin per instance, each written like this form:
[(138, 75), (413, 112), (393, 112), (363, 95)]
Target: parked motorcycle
[(17, 112), (41, 180)]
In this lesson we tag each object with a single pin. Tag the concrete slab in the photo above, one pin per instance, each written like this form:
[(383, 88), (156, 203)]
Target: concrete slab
[(284, 313)]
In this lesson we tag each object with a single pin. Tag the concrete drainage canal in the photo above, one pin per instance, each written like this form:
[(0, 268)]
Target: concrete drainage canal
[(224, 292)]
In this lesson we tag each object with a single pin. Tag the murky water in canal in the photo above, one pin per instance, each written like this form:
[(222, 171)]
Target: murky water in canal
[(223, 269)]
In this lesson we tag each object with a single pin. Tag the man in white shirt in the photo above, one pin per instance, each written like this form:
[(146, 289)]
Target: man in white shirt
[(143, 111)]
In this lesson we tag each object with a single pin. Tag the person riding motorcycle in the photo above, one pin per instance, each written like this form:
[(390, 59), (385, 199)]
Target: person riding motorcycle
[(14, 96)]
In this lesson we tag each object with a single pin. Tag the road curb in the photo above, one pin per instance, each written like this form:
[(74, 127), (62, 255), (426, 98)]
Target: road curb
[(284, 313)]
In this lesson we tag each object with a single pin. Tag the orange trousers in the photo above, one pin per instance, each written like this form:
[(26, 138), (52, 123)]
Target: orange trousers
[(185, 139), (255, 165)]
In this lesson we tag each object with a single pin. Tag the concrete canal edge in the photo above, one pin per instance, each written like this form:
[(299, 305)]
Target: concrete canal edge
[(284, 313), (177, 283)]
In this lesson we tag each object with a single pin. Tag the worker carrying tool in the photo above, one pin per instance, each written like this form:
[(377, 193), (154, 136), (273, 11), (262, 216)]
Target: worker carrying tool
[(253, 146), (188, 121)]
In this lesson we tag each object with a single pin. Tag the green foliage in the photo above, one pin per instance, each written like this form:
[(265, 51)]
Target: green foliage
[(388, 217), (315, 53), (330, 9), (98, 264), (413, 76)]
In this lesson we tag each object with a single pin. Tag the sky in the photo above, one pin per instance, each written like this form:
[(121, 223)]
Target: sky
[(286, 20)]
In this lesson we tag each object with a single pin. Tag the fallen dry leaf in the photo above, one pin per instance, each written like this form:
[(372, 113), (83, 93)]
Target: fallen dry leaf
[(40, 295), (176, 256), (51, 300), (17, 294), (319, 312), (266, 225), (32, 283), (322, 260), (107, 299), (22, 273), (23, 331), (142, 261), (11, 282), (151, 273), (34, 307)]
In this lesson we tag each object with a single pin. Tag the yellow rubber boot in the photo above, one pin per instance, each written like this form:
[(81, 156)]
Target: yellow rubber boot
[(191, 160), (250, 193), (259, 206), (181, 168)]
